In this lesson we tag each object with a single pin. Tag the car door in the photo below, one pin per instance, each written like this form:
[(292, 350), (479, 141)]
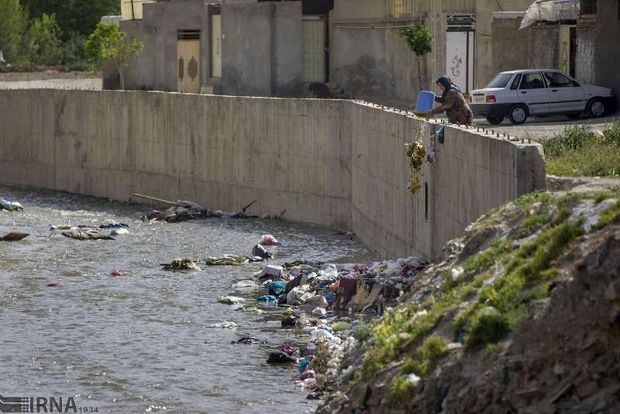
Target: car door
[(533, 91), (565, 94)]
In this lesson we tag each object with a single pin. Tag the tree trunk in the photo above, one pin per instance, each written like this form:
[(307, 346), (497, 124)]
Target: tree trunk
[(419, 73), (121, 77)]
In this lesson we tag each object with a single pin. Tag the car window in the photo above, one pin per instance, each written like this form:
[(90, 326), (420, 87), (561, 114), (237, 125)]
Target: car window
[(532, 81), (515, 83), (500, 81), (557, 80)]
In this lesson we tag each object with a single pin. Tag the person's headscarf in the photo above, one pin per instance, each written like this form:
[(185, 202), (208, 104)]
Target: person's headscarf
[(447, 83)]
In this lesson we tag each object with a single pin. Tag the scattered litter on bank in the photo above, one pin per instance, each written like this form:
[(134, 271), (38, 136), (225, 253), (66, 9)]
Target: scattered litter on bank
[(10, 205)]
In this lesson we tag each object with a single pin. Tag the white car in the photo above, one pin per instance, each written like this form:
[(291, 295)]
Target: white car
[(518, 94)]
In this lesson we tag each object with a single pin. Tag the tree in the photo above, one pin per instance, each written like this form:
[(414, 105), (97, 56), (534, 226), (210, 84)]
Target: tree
[(13, 19), (42, 41), (419, 42), (79, 16), (107, 47)]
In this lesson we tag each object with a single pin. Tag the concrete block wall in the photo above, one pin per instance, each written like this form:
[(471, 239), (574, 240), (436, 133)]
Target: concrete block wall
[(331, 162)]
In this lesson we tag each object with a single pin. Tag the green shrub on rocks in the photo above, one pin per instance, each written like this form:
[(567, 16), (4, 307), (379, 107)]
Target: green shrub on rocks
[(481, 299), (400, 391), (487, 326), (425, 357)]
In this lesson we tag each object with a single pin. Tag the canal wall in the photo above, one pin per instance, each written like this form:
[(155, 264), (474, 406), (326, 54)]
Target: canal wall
[(331, 162)]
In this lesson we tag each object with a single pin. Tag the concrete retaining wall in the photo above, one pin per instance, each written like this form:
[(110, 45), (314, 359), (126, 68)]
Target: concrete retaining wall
[(336, 163)]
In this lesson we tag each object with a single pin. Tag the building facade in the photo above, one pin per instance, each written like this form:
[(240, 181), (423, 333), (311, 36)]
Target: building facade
[(310, 47)]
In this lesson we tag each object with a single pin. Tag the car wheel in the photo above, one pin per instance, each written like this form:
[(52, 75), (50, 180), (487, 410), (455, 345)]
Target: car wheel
[(518, 114), (597, 108), (495, 120), (573, 116)]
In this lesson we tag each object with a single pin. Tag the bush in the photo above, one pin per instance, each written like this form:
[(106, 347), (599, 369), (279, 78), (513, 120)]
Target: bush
[(426, 356), (73, 53), (577, 151), (611, 135), (13, 21), (42, 41), (489, 326)]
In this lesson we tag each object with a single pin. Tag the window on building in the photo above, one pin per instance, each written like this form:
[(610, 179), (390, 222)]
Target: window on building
[(400, 8), (588, 6), (618, 9)]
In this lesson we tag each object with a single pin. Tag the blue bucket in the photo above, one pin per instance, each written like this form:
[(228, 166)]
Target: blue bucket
[(426, 101)]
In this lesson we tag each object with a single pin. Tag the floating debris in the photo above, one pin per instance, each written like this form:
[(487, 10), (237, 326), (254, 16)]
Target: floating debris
[(181, 264)]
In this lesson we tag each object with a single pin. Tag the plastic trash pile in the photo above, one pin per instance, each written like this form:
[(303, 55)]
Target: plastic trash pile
[(326, 303)]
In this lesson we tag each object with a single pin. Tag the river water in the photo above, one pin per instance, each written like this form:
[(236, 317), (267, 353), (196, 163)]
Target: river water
[(143, 342)]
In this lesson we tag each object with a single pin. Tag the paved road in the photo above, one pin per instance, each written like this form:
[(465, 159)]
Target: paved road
[(542, 128)]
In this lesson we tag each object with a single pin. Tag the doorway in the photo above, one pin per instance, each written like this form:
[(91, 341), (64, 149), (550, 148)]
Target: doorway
[(460, 58), (188, 61), (314, 47)]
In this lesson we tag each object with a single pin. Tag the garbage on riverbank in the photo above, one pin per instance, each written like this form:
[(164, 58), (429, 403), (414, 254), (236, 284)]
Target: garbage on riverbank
[(328, 303), (13, 236), (10, 205)]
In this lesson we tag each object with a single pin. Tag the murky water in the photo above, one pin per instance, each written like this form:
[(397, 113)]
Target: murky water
[(143, 342)]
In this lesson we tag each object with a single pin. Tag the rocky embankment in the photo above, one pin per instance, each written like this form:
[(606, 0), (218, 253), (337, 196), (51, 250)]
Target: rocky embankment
[(523, 315)]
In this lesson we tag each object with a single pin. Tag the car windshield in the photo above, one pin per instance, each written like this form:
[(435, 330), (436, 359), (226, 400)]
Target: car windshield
[(500, 81)]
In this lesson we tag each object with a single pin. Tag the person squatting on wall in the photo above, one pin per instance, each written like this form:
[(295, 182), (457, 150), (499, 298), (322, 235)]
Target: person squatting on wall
[(452, 102)]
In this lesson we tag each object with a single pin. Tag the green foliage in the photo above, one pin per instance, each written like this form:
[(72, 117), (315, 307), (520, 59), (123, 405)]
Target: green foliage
[(577, 151), (107, 47), (42, 41), (501, 306), (611, 215), (419, 42), (418, 39), (73, 53), (13, 23), (611, 135), (74, 16), (482, 261), (401, 390), (488, 326), (362, 331), (532, 223), (426, 356)]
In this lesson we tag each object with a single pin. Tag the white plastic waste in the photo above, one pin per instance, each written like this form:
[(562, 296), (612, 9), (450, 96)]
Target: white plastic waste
[(231, 300), (225, 325), (270, 270)]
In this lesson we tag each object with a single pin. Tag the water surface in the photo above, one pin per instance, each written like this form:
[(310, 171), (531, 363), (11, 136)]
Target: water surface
[(143, 342)]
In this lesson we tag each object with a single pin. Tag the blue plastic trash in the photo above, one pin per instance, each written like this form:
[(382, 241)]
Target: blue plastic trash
[(303, 363), (276, 287), (426, 101), (266, 298)]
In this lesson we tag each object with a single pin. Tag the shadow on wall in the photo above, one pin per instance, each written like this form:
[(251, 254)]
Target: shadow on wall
[(367, 77)]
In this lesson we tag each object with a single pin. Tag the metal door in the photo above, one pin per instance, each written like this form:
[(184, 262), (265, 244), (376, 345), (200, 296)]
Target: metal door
[(565, 95), (188, 61), (533, 91), (460, 59), (216, 46), (314, 66)]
